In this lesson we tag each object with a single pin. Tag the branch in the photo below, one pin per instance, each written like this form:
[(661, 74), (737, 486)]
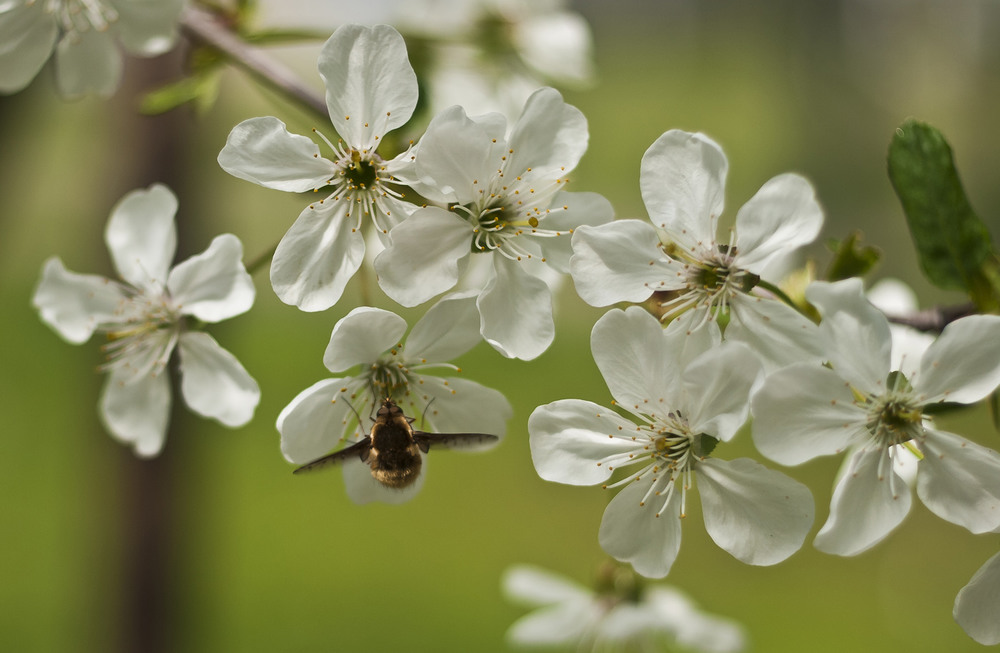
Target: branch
[(934, 319), (205, 27)]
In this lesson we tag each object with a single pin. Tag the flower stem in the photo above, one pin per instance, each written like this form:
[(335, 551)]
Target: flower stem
[(259, 262)]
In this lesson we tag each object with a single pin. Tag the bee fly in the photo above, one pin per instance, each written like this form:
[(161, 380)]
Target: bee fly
[(393, 449)]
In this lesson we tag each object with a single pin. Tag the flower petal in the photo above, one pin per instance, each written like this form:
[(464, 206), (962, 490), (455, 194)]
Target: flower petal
[(866, 506), (977, 606), (27, 35), (782, 216), (147, 29), (214, 383), (572, 440), (549, 138), (447, 330), (804, 411), (561, 624), (137, 412), (315, 422), (423, 259), (627, 348), (88, 62), (963, 364), (621, 261), (213, 285), (577, 209), (516, 310), (683, 179), (142, 236), (263, 151), (633, 533), (74, 305), (535, 586), (718, 384), (757, 514), (778, 333), (464, 406), (959, 481), (317, 257), (362, 487), (371, 88), (361, 336)]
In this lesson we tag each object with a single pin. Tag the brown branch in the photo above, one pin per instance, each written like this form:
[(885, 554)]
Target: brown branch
[(205, 27), (934, 319)]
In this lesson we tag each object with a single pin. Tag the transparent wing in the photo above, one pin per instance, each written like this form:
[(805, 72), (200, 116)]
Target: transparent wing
[(359, 449), (468, 441)]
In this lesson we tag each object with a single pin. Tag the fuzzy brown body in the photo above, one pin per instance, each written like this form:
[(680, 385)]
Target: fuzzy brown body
[(393, 450)]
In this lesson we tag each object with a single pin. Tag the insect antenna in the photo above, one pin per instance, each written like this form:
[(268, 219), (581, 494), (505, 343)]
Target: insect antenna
[(423, 414)]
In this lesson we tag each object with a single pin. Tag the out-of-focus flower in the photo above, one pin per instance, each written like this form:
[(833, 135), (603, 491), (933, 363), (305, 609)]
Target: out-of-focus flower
[(85, 36), (371, 90), (505, 200), (622, 614), (857, 400), (145, 317), (977, 606), (679, 255), (326, 414), (685, 398)]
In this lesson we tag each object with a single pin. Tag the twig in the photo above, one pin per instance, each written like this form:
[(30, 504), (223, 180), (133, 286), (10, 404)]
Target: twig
[(934, 319), (205, 27)]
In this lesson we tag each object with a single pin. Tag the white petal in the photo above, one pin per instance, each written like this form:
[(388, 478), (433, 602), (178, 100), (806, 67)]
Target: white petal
[(213, 285), (423, 259), (572, 441), (516, 310), (448, 329), (778, 333), (804, 411), (632, 533), (214, 383), (691, 627), (459, 155), (362, 487), (315, 422), (620, 261), (757, 514), (718, 384), (866, 506), (535, 586), (959, 481), (371, 88), (683, 179), (361, 336), (857, 336), (74, 305), (577, 209), (557, 44), (627, 348), (963, 364), (88, 62), (782, 216), (549, 137), (147, 28), (137, 412), (561, 624), (142, 236), (27, 35), (317, 257), (977, 606), (263, 151), (464, 406)]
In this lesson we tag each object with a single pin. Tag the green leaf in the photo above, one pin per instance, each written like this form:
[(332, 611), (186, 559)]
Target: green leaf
[(201, 89), (952, 243), (851, 258)]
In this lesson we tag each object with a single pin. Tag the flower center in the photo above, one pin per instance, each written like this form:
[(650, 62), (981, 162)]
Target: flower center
[(389, 376), (894, 417), (143, 335), (361, 173), (81, 15)]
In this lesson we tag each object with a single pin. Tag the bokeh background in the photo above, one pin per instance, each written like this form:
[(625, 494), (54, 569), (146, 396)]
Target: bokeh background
[(247, 557)]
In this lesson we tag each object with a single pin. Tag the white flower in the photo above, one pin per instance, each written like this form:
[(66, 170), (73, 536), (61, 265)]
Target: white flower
[(857, 401), (685, 402), (621, 615), (506, 201), (323, 416), (977, 606), (893, 297), (682, 180), (371, 90), (144, 319), (82, 33)]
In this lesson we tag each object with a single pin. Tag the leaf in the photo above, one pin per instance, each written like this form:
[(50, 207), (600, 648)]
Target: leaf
[(851, 258), (201, 89), (953, 244)]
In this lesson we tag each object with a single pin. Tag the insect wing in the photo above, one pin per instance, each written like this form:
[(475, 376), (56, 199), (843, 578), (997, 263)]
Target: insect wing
[(358, 450), (468, 441)]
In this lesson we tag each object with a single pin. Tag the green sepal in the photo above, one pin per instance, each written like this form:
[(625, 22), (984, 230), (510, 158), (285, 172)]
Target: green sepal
[(201, 90), (851, 258), (953, 244)]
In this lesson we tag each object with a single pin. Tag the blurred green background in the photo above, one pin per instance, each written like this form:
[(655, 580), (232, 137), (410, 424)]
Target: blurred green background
[(254, 559)]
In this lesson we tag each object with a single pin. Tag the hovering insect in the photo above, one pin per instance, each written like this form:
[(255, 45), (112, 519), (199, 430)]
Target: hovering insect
[(393, 449)]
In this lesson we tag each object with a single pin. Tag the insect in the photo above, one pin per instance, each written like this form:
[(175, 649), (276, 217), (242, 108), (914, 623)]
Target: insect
[(393, 449)]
